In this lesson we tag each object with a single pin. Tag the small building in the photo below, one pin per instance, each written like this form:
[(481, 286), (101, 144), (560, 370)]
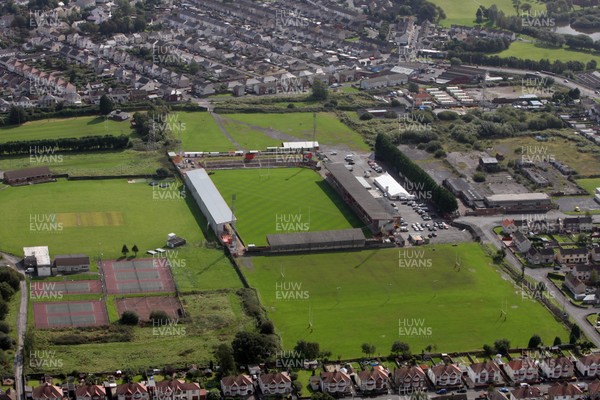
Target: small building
[(47, 391), (174, 241), (38, 257), (131, 391), (176, 389), (409, 379), (445, 375), (488, 164), (589, 365), (28, 176), (594, 390), (484, 373), (527, 393), (522, 370), (336, 383), (90, 392), (520, 202), (374, 381), (538, 256), (557, 368), (119, 115), (72, 263), (578, 255), (464, 190), (565, 391), (521, 242)]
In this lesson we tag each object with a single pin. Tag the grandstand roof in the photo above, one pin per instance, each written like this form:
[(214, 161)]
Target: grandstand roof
[(211, 197), (322, 237)]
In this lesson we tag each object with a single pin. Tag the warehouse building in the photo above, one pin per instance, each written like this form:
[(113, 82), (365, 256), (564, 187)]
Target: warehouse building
[(211, 203), (394, 190), (464, 190), (368, 209), (312, 241), (520, 202), (28, 176)]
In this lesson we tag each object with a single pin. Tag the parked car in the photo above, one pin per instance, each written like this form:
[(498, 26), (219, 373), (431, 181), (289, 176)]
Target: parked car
[(441, 391)]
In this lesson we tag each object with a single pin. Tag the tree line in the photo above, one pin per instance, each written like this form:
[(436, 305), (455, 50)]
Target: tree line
[(86, 143), (387, 152)]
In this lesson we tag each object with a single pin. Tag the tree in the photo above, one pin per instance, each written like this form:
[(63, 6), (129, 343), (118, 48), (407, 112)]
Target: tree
[(501, 346), (319, 90), (106, 105), (479, 16), (224, 358), (594, 278), (16, 115), (252, 348), (124, 250), (479, 177), (6, 291), (3, 309), (557, 341), (321, 396), (488, 350), (575, 334), (413, 87), (135, 249), (401, 348), (535, 341), (10, 276), (159, 317), (130, 317), (6, 342), (582, 240), (309, 350), (213, 394), (4, 327), (267, 328), (368, 349)]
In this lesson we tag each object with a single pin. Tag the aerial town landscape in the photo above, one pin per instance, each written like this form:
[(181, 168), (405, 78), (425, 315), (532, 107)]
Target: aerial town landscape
[(299, 199)]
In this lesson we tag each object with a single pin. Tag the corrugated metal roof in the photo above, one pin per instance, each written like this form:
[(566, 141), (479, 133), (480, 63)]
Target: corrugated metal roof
[(210, 195)]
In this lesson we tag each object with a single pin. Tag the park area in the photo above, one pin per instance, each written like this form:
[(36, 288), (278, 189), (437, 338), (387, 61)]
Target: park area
[(446, 296), (282, 200)]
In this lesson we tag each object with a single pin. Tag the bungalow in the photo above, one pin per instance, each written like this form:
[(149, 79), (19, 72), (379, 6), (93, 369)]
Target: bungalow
[(577, 255), (336, 383), (71, 263), (278, 383), (240, 385), (537, 256), (522, 370), (557, 368), (564, 391), (589, 365), (527, 393), (175, 389), (375, 380), (409, 379), (47, 391), (594, 390), (28, 176), (521, 242), (90, 392), (487, 163), (445, 375), (132, 391), (484, 373), (575, 285)]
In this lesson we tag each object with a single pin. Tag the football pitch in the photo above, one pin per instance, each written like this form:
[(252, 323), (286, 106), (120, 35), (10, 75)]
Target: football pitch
[(449, 297), (282, 200)]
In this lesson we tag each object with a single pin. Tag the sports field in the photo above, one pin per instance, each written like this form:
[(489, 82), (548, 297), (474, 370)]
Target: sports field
[(299, 125), (463, 12), (342, 300), (282, 200), (102, 163), (201, 133), (589, 184), (532, 51), (64, 128)]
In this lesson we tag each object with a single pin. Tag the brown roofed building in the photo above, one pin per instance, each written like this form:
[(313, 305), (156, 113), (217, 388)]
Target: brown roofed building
[(375, 380), (594, 390), (240, 385), (72, 263), (278, 383), (132, 391), (47, 391), (484, 373), (336, 382), (564, 391), (409, 379), (27, 176), (90, 392), (527, 393), (9, 394), (175, 389)]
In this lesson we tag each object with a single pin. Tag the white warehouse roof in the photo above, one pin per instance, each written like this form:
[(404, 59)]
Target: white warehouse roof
[(388, 184), (214, 202), (300, 145), (41, 254)]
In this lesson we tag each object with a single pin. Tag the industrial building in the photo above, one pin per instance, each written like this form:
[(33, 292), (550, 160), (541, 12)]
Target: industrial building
[(394, 190), (37, 258), (464, 190), (211, 203), (368, 209), (520, 202)]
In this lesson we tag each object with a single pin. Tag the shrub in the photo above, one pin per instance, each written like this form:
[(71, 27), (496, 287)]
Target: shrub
[(130, 317), (366, 116)]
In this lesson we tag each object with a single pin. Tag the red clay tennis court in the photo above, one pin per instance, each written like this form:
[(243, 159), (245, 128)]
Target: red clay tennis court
[(50, 290), (146, 275), (66, 314), (144, 305)]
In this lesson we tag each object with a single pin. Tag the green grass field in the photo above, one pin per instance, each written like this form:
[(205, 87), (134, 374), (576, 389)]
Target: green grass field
[(215, 319), (247, 137), (282, 200), (113, 163), (202, 133), (330, 130), (357, 297), (463, 12), (589, 184), (64, 128), (532, 51)]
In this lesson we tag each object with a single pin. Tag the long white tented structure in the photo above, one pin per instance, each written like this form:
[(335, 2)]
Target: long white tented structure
[(389, 185)]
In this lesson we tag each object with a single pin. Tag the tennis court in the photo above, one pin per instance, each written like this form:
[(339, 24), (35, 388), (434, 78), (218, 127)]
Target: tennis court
[(146, 275), (143, 306), (70, 314), (48, 290)]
